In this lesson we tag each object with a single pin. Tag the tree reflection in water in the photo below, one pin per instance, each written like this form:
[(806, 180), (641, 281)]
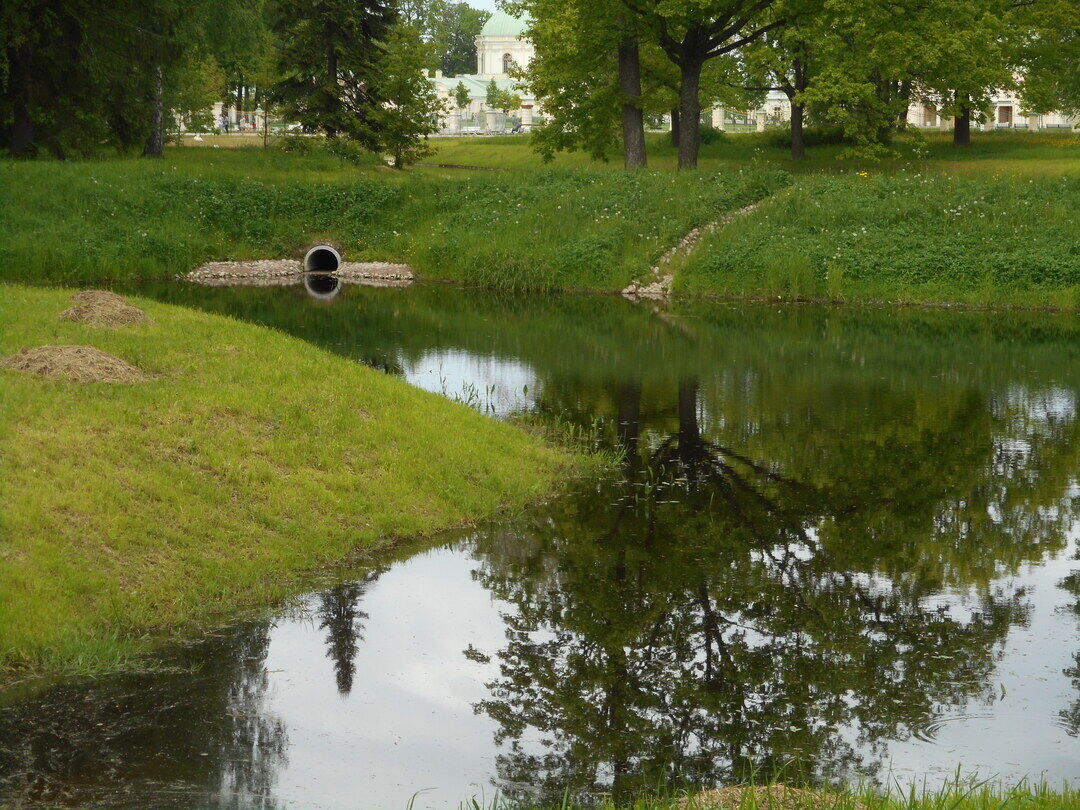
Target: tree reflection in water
[(786, 592), (340, 616), (186, 738)]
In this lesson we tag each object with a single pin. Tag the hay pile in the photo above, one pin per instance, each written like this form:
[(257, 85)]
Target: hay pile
[(75, 363), (101, 308), (768, 797)]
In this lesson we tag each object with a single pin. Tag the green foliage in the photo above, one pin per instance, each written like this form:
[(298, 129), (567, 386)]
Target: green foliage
[(451, 28), (412, 107), (461, 96), (327, 60)]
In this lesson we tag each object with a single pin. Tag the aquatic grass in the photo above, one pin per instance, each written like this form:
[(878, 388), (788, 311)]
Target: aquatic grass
[(958, 793), (135, 512)]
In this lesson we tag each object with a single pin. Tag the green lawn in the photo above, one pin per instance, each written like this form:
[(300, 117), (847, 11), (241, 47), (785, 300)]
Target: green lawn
[(132, 512), (1049, 152)]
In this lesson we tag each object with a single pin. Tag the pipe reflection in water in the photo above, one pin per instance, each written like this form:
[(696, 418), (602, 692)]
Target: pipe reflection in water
[(322, 286)]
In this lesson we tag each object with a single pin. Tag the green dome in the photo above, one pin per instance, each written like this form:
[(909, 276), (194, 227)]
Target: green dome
[(501, 24)]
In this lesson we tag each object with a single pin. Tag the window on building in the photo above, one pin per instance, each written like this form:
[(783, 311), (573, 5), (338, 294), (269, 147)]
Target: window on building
[(508, 62)]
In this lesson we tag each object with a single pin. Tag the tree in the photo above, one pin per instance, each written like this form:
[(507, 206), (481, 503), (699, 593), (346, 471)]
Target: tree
[(451, 27), (461, 96), (691, 34), (588, 71), (412, 107), (327, 61), (785, 59), (1048, 54)]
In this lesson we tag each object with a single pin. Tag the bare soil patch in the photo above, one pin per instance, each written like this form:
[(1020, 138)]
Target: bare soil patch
[(75, 363), (768, 797), (102, 308)]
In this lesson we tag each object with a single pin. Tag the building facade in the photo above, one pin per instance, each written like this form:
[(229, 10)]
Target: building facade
[(500, 47)]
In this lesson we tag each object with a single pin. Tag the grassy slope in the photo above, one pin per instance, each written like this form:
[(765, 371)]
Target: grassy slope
[(990, 224), (137, 510), (906, 237), (121, 219)]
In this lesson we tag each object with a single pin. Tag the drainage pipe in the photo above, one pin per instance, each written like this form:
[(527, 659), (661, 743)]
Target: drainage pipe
[(322, 259)]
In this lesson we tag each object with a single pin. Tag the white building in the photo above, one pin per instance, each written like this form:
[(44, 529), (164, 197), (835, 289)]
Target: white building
[(500, 47)]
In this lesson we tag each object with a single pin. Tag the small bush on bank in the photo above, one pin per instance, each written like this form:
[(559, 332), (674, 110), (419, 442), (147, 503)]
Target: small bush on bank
[(780, 137)]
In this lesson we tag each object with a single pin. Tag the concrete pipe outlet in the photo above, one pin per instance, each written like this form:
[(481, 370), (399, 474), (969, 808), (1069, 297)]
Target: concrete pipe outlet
[(322, 259)]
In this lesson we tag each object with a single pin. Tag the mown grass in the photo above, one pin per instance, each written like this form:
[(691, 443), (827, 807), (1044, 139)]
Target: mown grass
[(1049, 152), (911, 237), (130, 513)]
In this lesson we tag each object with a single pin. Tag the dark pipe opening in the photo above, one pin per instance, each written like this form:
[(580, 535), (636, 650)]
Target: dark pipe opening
[(322, 285), (322, 259)]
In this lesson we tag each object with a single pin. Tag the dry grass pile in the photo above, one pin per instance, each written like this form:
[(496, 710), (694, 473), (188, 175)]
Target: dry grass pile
[(102, 308), (75, 363), (768, 797)]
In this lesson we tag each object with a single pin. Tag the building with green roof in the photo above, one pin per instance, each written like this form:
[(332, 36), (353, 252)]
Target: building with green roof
[(501, 46)]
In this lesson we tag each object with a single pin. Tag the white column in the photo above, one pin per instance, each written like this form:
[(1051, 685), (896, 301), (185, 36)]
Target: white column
[(761, 122)]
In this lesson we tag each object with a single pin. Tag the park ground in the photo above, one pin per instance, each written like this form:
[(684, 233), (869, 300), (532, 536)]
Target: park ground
[(993, 224), (134, 512), (115, 533)]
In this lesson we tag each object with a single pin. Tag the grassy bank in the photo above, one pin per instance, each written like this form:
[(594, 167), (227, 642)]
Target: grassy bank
[(134, 511), (994, 224), (909, 237), (129, 219)]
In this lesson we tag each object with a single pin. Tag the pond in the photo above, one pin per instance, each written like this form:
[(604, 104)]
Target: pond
[(842, 544)]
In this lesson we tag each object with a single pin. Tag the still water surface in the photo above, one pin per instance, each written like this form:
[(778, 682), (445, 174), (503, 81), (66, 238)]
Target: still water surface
[(842, 542)]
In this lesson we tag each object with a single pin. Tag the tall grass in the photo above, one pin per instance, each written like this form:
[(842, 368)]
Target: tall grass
[(135, 219), (958, 793), (916, 237)]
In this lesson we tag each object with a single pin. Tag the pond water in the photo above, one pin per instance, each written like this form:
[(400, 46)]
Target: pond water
[(842, 543)]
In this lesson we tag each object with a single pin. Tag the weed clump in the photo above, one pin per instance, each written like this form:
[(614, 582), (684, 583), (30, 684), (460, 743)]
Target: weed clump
[(102, 308), (82, 364)]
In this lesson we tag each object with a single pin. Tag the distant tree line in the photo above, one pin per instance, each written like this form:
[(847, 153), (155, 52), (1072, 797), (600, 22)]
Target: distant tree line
[(603, 66), (79, 76)]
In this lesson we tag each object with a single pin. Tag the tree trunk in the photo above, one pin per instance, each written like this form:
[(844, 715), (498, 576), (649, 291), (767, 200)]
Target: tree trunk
[(798, 137), (675, 126), (155, 144), (633, 119), (961, 135), (689, 113), (332, 78)]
